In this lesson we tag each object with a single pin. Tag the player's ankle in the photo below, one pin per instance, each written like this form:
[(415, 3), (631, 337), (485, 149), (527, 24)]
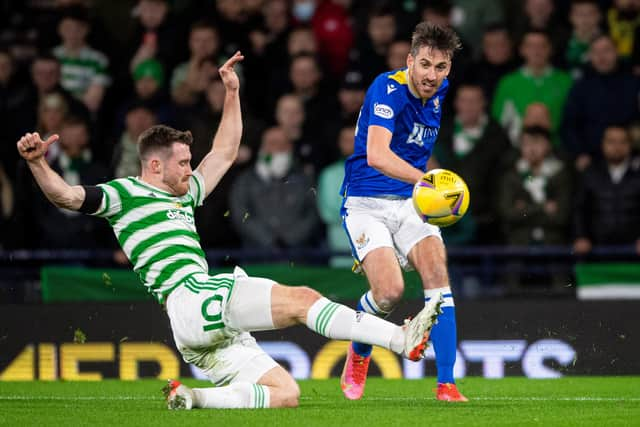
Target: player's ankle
[(397, 340)]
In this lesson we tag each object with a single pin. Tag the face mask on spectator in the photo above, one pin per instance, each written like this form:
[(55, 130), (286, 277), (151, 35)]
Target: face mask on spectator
[(304, 11), (274, 166)]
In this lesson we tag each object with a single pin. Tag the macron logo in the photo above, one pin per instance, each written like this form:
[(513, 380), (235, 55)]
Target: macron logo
[(391, 88)]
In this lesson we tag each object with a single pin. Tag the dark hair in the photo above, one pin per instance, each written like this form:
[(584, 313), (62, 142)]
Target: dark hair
[(161, 137), (76, 13), (470, 83), (306, 55), (435, 37), (495, 27), (601, 36), (140, 104), (353, 80), (381, 9), (301, 27), (72, 121), (621, 126), (593, 2), (534, 31), (537, 131), (439, 7), (45, 56), (204, 24)]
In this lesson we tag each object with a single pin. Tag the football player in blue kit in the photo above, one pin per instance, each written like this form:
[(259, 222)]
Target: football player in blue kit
[(396, 130)]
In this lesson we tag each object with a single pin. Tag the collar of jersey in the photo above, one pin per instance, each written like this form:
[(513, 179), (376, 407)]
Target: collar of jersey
[(546, 73), (405, 71), (151, 187)]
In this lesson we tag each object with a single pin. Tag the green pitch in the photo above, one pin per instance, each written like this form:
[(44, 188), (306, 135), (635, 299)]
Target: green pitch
[(577, 401)]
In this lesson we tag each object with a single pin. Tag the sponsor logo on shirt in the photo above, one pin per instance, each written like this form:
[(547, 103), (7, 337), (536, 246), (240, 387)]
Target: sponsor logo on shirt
[(391, 88), (180, 215), (383, 110), (421, 133)]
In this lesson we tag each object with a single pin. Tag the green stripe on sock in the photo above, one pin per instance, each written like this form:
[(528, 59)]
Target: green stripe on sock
[(320, 314), (325, 316), (321, 321), (258, 396), (262, 405), (329, 317), (255, 395)]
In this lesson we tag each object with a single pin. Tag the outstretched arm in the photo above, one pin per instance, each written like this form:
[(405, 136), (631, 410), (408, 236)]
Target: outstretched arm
[(32, 148), (227, 139)]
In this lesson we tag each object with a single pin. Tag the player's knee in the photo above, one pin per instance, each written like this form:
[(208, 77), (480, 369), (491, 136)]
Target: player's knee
[(387, 305), (307, 296), (388, 298), (290, 395), (293, 398), (285, 392)]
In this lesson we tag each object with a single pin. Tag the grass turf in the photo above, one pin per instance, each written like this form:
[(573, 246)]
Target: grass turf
[(569, 401)]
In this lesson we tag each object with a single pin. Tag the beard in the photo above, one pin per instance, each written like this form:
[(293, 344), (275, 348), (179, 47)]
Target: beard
[(178, 187), (424, 90)]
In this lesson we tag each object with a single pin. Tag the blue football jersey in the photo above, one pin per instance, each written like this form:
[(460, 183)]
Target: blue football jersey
[(414, 125)]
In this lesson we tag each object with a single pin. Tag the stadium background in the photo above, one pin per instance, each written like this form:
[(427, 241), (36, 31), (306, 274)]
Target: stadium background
[(70, 308)]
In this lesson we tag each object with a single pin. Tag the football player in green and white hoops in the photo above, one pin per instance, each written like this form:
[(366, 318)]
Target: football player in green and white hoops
[(211, 316)]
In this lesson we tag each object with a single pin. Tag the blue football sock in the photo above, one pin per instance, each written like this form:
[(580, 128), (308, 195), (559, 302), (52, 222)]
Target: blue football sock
[(444, 336), (368, 305)]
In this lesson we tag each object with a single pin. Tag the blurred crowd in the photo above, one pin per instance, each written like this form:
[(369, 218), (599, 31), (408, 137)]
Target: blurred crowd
[(542, 118)]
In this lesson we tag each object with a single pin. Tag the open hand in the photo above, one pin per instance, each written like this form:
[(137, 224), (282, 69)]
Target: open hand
[(31, 147), (228, 74)]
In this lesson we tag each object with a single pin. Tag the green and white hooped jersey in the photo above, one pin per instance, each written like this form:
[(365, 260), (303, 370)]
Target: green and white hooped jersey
[(81, 71), (156, 230)]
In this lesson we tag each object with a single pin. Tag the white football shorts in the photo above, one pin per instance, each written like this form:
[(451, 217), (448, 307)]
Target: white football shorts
[(373, 222), (211, 317)]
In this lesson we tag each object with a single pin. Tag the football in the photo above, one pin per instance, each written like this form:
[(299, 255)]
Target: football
[(441, 197)]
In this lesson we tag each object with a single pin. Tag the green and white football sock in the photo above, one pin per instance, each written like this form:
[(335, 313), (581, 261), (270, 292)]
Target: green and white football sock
[(339, 322), (237, 395)]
